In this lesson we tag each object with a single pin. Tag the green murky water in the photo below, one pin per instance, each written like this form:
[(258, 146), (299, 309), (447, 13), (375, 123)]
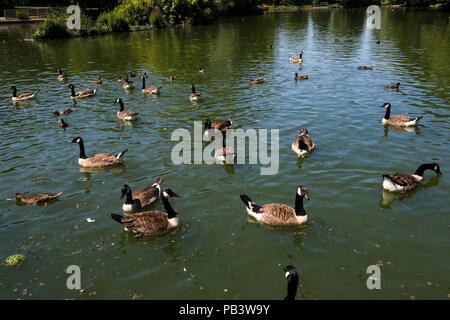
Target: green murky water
[(217, 253)]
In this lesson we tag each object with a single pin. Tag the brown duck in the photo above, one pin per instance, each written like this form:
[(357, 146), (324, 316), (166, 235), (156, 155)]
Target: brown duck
[(39, 198)]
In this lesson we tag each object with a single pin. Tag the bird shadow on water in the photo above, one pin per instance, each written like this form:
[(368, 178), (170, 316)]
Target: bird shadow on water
[(400, 130)]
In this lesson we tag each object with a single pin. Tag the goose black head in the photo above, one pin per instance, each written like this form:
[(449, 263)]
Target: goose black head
[(118, 100), (125, 190), (302, 192), (386, 105), (70, 86), (169, 193), (292, 281), (55, 113), (296, 74), (437, 169), (208, 124), (76, 140), (13, 87), (59, 70), (397, 84)]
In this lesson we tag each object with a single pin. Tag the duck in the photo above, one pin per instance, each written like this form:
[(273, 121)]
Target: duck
[(81, 94), (62, 123), (99, 160), (201, 70), (223, 154), (194, 95), (291, 275), (365, 67), (394, 86), (171, 77), (23, 96), (399, 121), (401, 182), (128, 85), (120, 79), (218, 125), (297, 77), (256, 81), (98, 81), (303, 144), (298, 59), (151, 222), (39, 198), (61, 76), (277, 213), (141, 198), (126, 115), (60, 113), (152, 89)]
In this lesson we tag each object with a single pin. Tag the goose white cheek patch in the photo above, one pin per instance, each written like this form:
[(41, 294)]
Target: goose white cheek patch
[(287, 274)]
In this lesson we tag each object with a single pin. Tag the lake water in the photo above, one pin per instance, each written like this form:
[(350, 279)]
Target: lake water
[(217, 252)]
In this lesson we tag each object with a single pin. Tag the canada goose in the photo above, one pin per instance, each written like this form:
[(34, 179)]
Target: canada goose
[(303, 143), (218, 125), (298, 59), (399, 182), (100, 160), (201, 70), (98, 81), (399, 121), (141, 198), (194, 95), (292, 282), (41, 197), (61, 76), (277, 213), (365, 68), (394, 86), (60, 113), (152, 89), (62, 123), (171, 78), (270, 46), (151, 222), (81, 94), (123, 114), (128, 85), (297, 77), (120, 79), (378, 41), (225, 152), (23, 96), (256, 81)]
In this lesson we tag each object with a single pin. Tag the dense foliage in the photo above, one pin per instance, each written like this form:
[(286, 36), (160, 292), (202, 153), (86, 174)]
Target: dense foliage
[(353, 3), (51, 28)]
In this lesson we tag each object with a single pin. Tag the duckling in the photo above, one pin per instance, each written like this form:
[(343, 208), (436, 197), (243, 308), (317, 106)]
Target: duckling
[(152, 89), (399, 121), (256, 81), (303, 144), (292, 282), (81, 94), (128, 85), (126, 115), (298, 59), (394, 86), (365, 67), (39, 198), (194, 95), (218, 125), (62, 123), (98, 81), (100, 160), (23, 96), (221, 155), (201, 70), (151, 222), (297, 77), (61, 76), (277, 213), (141, 198), (60, 113), (400, 182)]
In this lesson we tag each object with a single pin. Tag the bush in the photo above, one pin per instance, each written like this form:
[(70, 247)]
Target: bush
[(156, 19), (21, 15), (51, 29), (112, 21)]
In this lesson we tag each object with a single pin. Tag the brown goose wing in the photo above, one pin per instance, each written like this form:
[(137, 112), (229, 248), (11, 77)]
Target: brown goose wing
[(220, 125), (127, 113), (25, 95), (146, 196), (146, 223), (104, 158), (400, 119), (308, 141), (277, 213), (407, 181)]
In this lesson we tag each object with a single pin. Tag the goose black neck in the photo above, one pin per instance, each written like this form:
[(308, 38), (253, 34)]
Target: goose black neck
[(292, 285), (121, 105), (224, 138), (193, 89), (73, 91), (82, 153), (14, 92), (60, 72), (421, 169), (388, 113), (170, 212), (143, 82), (129, 199), (299, 209)]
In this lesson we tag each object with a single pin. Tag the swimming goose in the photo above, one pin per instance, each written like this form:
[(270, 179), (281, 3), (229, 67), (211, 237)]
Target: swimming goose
[(194, 95), (62, 123), (225, 152), (61, 76), (152, 89), (60, 113), (151, 222), (126, 115), (23, 96), (292, 282), (303, 143), (141, 198), (100, 160), (365, 67), (171, 78), (201, 70), (298, 59), (81, 94), (218, 125), (98, 81), (128, 85), (256, 81), (40, 197), (399, 121), (395, 86), (297, 77), (401, 182), (277, 213)]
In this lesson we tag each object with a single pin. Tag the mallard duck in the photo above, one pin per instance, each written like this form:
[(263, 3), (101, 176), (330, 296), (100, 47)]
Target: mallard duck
[(277, 213), (100, 160), (23, 96), (60, 113), (62, 123), (365, 68), (61, 76), (39, 198), (98, 81), (394, 86), (81, 94), (399, 121), (152, 89), (303, 144), (256, 81), (291, 276), (298, 59), (297, 77), (126, 115), (221, 155), (141, 198), (218, 125), (401, 182), (151, 222), (194, 96)]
